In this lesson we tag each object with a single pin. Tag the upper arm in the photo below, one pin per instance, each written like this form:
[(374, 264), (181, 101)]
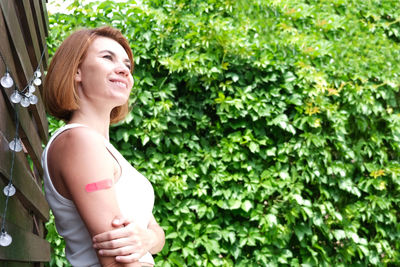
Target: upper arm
[(159, 234), (82, 158)]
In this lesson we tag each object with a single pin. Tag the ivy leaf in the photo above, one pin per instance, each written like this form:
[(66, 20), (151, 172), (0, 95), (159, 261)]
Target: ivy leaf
[(302, 230), (247, 205)]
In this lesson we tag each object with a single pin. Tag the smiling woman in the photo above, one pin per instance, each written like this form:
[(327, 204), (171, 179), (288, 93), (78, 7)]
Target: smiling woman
[(60, 94), (101, 204), (104, 77)]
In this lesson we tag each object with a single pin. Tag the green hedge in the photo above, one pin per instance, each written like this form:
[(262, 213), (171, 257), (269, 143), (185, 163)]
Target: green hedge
[(269, 129)]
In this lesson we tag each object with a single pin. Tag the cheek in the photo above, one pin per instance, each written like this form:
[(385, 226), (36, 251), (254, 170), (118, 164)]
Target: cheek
[(131, 81), (88, 73)]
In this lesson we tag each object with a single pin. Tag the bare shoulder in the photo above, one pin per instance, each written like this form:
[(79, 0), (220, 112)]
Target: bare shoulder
[(76, 148), (79, 136)]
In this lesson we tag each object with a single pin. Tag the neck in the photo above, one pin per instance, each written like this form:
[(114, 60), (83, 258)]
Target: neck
[(97, 122)]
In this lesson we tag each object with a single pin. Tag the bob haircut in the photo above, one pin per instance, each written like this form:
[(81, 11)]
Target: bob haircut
[(59, 94)]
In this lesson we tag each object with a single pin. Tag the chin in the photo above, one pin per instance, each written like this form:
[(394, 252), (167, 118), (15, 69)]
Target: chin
[(120, 99)]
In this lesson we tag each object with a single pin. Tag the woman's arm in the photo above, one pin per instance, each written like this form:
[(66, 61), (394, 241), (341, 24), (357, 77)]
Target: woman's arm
[(159, 236), (130, 242), (77, 158)]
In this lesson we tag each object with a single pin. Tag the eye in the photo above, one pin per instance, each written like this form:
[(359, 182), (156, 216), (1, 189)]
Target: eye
[(107, 57), (128, 66)]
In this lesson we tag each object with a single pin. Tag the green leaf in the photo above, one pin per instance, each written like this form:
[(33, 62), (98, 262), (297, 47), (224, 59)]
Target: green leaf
[(302, 230), (339, 234), (247, 205), (234, 204)]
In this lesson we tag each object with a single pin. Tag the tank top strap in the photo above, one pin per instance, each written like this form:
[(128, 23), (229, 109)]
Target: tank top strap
[(64, 128)]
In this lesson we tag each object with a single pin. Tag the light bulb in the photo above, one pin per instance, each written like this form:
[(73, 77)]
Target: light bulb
[(33, 99), (37, 81), (15, 145), (6, 81), (5, 239), (38, 74), (9, 190), (15, 97), (25, 102), (31, 88)]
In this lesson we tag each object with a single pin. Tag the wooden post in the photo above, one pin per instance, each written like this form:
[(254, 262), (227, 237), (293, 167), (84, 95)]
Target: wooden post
[(23, 32)]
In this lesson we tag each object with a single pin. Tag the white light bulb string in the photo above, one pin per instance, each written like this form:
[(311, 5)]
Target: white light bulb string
[(9, 187), (25, 98)]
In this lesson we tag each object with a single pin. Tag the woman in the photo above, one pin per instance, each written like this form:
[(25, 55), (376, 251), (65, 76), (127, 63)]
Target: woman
[(101, 204)]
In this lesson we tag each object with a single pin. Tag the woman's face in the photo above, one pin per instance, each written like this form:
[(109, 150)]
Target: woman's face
[(104, 75)]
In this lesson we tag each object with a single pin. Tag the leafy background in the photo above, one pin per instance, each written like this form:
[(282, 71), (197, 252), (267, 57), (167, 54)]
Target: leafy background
[(269, 129)]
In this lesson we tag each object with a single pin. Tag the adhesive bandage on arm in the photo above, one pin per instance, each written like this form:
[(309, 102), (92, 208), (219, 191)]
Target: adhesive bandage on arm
[(103, 184)]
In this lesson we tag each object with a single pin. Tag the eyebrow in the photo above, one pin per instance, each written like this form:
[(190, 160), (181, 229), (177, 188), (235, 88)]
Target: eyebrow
[(113, 54)]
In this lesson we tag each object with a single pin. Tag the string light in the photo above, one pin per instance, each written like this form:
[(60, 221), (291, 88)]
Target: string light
[(33, 99), (15, 145), (31, 89), (15, 97), (6, 81), (25, 102), (9, 190), (24, 98), (5, 239)]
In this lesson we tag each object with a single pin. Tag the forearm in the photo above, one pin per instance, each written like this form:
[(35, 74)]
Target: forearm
[(110, 261), (118, 264)]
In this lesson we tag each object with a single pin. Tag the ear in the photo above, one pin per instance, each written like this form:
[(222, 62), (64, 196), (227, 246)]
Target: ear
[(78, 76)]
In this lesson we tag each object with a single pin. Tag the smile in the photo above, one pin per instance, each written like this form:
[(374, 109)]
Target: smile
[(119, 84)]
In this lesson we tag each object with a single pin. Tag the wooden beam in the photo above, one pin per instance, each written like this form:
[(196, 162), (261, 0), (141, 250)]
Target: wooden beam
[(45, 17), (24, 14), (40, 27), (13, 25), (31, 192), (28, 49), (28, 129), (25, 247), (17, 213), (46, 28), (39, 114), (17, 264), (29, 136), (23, 34)]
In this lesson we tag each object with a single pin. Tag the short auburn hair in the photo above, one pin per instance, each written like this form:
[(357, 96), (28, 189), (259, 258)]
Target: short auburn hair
[(59, 94)]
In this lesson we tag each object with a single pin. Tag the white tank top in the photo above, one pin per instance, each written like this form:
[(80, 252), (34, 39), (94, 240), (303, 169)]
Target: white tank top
[(135, 198)]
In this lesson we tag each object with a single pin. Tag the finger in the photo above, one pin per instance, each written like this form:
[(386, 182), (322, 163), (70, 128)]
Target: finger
[(123, 251), (113, 244), (129, 258), (113, 234), (119, 221)]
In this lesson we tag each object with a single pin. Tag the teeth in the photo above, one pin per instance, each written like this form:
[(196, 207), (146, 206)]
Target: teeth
[(120, 84)]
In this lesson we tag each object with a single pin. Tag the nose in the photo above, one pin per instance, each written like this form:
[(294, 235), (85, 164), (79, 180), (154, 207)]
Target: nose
[(122, 69)]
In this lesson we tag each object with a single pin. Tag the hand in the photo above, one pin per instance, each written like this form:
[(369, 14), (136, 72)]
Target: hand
[(128, 243)]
